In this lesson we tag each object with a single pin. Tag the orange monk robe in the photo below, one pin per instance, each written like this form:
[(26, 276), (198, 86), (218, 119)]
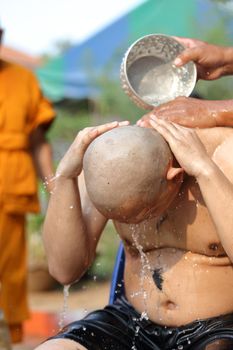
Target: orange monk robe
[(22, 110)]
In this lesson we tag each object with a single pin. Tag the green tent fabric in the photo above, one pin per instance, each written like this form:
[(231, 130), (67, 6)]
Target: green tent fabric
[(74, 74)]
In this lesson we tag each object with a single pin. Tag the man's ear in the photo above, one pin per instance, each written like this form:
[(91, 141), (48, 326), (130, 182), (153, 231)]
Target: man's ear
[(173, 172)]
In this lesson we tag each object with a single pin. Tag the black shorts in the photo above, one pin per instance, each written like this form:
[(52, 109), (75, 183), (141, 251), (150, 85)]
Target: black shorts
[(120, 327)]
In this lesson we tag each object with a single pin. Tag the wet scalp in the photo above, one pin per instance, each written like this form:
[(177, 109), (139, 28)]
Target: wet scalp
[(124, 169)]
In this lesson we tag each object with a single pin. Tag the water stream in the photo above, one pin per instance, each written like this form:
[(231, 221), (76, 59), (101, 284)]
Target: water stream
[(63, 315)]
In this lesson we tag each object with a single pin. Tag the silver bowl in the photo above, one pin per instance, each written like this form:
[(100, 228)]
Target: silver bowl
[(148, 74)]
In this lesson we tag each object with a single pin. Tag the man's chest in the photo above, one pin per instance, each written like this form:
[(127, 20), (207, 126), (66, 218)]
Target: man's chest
[(186, 225)]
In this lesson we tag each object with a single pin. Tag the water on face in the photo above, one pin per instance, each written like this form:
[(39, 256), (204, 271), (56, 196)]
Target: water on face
[(63, 314), (156, 81)]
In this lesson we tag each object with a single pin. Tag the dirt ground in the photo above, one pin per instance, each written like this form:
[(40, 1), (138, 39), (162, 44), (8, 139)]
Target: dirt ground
[(49, 310)]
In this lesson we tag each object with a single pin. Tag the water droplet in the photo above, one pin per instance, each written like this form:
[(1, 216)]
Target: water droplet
[(144, 316)]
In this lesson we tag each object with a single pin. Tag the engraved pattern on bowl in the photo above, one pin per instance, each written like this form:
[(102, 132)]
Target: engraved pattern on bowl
[(148, 75)]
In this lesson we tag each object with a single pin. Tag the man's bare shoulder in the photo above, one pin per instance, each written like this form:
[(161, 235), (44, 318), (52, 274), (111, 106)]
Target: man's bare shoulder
[(213, 138), (219, 145)]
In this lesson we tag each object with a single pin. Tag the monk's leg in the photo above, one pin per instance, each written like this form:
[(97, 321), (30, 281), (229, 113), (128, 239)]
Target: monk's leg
[(13, 272)]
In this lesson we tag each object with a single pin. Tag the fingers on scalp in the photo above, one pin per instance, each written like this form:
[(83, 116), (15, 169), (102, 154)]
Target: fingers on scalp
[(167, 124), (86, 139), (162, 129), (176, 132), (105, 127), (124, 123)]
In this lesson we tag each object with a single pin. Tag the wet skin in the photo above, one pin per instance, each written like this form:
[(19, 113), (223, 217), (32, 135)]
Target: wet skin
[(176, 269), (189, 275)]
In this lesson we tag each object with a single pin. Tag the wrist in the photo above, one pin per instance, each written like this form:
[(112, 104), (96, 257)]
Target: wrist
[(68, 171), (207, 171), (48, 182), (64, 177)]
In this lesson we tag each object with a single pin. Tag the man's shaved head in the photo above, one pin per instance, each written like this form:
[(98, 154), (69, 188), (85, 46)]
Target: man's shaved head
[(125, 171)]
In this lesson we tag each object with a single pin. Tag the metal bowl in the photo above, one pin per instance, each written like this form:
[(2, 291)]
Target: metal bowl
[(148, 74)]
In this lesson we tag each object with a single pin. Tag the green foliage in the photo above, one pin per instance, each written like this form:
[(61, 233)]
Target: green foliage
[(34, 223), (216, 90), (111, 102), (102, 267), (67, 125), (36, 252), (114, 102), (219, 35)]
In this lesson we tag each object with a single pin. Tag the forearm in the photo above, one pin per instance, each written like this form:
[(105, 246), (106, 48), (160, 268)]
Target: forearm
[(217, 192), (228, 60), (224, 112), (64, 234)]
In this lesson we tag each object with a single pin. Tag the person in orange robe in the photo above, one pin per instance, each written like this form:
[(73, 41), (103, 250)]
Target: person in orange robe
[(25, 116)]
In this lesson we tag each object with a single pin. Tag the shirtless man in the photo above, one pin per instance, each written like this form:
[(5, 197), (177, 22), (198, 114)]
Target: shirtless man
[(179, 246)]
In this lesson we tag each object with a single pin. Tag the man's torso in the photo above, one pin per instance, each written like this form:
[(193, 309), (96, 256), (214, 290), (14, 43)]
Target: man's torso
[(176, 269)]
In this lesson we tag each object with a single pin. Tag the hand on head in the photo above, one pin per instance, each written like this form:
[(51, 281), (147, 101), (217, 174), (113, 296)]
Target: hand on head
[(72, 163), (186, 111), (185, 145)]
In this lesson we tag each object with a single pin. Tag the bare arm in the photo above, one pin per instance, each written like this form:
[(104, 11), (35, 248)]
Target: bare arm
[(217, 192), (72, 226), (193, 112), (216, 187), (69, 233)]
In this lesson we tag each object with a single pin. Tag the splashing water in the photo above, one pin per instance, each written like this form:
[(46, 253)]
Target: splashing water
[(66, 290), (145, 267)]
